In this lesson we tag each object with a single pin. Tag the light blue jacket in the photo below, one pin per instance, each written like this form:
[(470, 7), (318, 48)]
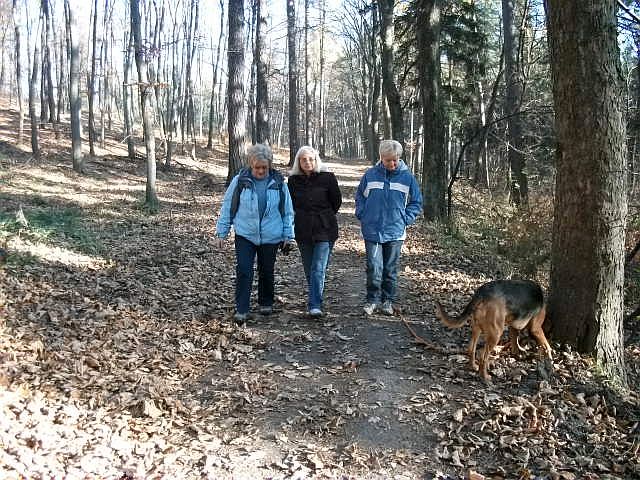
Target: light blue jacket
[(272, 227), (386, 202)]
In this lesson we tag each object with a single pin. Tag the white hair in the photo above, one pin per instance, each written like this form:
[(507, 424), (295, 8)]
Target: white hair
[(317, 163), (261, 153), (390, 146)]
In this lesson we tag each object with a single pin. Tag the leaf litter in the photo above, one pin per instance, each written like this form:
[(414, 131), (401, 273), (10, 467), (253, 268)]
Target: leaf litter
[(125, 364)]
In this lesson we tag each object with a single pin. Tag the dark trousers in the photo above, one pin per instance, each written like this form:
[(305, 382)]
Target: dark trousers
[(245, 257)]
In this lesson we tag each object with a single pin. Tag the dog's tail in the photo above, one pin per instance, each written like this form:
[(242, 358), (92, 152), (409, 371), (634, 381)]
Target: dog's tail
[(456, 322)]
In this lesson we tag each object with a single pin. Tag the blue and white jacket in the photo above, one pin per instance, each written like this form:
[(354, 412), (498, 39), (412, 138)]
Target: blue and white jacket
[(273, 227), (386, 202)]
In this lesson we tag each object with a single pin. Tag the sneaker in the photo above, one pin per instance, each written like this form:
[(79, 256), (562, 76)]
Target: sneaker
[(315, 312), (370, 308), (266, 310), (387, 308), (240, 318)]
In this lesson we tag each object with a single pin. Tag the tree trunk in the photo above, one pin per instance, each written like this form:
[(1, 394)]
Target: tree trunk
[(235, 87), (214, 82), (126, 97), (75, 102), (33, 91), (322, 126), (18, 72), (434, 161), (392, 95), (513, 99), (293, 81), (263, 126), (308, 133), (587, 272), (151, 197), (47, 64), (92, 80)]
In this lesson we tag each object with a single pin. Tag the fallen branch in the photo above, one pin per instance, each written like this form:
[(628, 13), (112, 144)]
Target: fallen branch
[(426, 343)]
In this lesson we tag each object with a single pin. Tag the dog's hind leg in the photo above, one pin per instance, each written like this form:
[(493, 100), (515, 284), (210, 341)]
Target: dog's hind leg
[(537, 332), (491, 340), (473, 344)]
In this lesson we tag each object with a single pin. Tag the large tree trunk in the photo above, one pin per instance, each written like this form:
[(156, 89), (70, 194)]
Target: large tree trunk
[(235, 88), (75, 101), (145, 102), (434, 161), (293, 81), (263, 126), (513, 80), (392, 95), (586, 302)]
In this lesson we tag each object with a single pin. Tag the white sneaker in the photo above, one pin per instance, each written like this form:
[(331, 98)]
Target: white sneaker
[(387, 308), (370, 308), (315, 312)]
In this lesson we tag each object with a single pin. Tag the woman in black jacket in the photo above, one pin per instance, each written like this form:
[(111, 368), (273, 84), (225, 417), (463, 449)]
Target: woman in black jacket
[(316, 199)]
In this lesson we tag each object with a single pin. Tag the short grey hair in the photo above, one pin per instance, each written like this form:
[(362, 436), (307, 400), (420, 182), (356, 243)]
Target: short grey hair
[(390, 146), (317, 163), (261, 153)]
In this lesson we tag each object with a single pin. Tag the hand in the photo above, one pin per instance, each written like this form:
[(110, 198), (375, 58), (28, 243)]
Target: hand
[(286, 247), (218, 242)]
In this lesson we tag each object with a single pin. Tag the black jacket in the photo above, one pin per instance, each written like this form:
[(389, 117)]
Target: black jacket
[(316, 199)]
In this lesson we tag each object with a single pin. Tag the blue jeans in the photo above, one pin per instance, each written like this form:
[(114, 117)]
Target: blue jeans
[(315, 259), (245, 257), (382, 270)]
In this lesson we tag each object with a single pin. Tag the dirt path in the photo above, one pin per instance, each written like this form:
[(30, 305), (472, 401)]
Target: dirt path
[(118, 358)]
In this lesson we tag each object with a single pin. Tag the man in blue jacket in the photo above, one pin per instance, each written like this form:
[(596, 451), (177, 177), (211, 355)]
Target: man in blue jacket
[(387, 200)]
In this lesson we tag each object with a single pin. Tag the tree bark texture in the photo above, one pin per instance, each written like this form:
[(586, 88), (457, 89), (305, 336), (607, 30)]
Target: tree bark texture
[(235, 87), (586, 301), (146, 92), (33, 116), (434, 160)]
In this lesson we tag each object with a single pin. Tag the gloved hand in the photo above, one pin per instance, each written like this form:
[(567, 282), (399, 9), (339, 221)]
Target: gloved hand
[(218, 242), (286, 247)]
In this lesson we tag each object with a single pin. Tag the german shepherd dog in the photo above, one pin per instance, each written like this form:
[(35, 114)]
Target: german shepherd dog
[(518, 304)]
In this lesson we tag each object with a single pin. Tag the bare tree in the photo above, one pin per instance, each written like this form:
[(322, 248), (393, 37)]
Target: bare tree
[(293, 81), (33, 116), (91, 84), (75, 101), (390, 90), (263, 126), (513, 99), (214, 82), (146, 91), (18, 71), (235, 88), (126, 96)]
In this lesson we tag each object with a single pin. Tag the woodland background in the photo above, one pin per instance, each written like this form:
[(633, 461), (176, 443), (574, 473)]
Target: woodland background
[(121, 121)]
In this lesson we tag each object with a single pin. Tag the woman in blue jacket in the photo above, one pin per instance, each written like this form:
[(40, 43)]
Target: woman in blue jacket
[(258, 206), (387, 200)]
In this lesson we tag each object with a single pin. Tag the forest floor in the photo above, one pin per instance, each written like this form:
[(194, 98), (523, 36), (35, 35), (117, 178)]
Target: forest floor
[(118, 358)]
